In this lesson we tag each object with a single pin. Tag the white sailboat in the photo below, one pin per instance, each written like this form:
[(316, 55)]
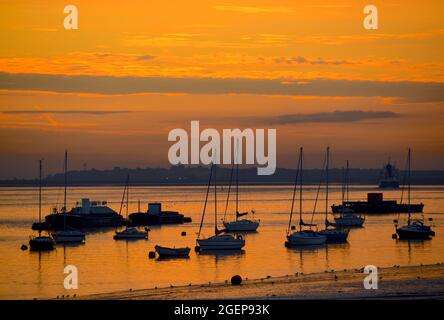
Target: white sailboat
[(331, 232), (130, 233), (415, 228), (242, 225), (219, 241), (301, 237), (347, 217), (68, 234), (41, 243)]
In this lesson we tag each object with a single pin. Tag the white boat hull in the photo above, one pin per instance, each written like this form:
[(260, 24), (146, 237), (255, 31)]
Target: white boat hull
[(241, 225)]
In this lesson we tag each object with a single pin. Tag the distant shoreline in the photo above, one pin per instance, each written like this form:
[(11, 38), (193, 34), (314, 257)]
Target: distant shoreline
[(406, 282), (198, 176)]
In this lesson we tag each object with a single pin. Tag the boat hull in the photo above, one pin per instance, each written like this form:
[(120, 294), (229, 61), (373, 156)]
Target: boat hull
[(241, 225), (83, 221), (302, 239), (41, 244), (147, 219), (349, 222), (378, 208), (214, 243), (69, 239), (410, 234), (172, 252), (334, 235)]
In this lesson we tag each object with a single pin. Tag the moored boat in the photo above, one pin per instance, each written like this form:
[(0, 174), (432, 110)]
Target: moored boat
[(172, 252), (131, 233), (301, 237), (41, 243)]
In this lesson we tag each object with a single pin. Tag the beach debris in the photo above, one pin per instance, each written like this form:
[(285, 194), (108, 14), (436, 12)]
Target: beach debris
[(183, 233), (268, 277), (151, 254), (24, 247), (336, 277), (131, 289), (236, 280)]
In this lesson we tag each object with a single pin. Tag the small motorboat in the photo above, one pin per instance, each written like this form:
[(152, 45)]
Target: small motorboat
[(172, 252), (69, 236), (131, 233)]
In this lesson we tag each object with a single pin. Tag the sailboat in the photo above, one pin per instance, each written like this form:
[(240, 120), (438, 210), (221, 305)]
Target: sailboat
[(333, 234), (415, 228), (301, 237), (219, 241), (347, 216), (239, 224), (130, 233), (68, 234), (40, 243)]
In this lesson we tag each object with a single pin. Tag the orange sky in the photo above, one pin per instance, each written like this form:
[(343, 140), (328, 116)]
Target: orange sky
[(138, 70)]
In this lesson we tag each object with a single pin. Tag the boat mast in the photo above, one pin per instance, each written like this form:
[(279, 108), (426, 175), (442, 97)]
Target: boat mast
[(127, 196), (64, 195), (215, 201), (237, 178), (294, 195), (40, 195), (347, 183), (206, 201), (408, 186), (300, 192), (326, 186)]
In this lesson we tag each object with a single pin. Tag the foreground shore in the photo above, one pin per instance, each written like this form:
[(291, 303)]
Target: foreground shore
[(410, 282)]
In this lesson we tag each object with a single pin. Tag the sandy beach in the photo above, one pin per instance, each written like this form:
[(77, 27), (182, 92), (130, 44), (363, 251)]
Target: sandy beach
[(408, 282)]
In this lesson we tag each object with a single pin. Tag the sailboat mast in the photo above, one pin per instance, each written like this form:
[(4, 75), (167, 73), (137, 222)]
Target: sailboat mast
[(237, 177), (300, 191), (206, 201), (127, 196), (294, 195), (66, 180), (326, 186), (347, 182), (40, 194), (215, 200), (409, 184)]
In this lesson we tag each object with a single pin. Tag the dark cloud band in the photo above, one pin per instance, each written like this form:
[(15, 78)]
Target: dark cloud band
[(411, 91)]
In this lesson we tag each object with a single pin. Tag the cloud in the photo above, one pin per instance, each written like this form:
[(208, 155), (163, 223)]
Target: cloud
[(90, 112), (318, 61), (244, 9), (405, 90), (145, 57), (331, 117)]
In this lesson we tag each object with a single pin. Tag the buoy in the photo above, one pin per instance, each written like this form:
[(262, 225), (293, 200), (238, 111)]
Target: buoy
[(151, 255), (24, 247), (432, 233), (236, 280), (183, 233), (197, 249), (394, 236), (293, 228), (287, 244)]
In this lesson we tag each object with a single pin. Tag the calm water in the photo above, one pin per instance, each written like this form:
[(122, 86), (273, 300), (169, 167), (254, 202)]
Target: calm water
[(106, 265)]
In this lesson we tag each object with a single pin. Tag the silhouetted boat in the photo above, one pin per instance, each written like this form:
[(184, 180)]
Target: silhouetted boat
[(301, 237), (238, 224), (155, 215), (40, 243), (130, 232), (331, 232), (68, 234), (218, 241), (348, 217), (377, 205), (172, 252), (389, 178), (415, 229)]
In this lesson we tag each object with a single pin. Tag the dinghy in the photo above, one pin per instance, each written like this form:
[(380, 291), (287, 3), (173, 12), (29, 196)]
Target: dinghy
[(172, 252)]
